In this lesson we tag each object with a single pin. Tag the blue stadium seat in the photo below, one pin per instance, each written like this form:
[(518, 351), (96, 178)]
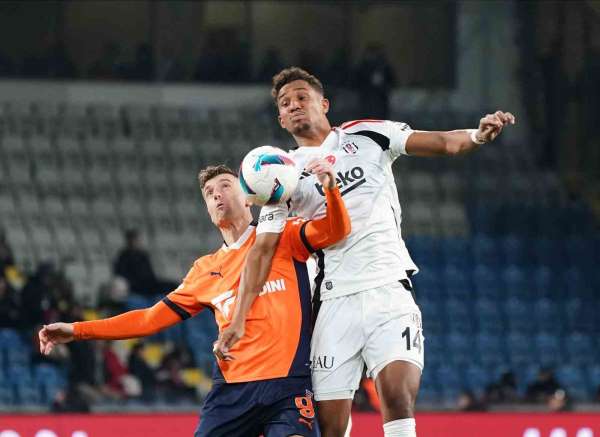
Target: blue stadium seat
[(549, 349), (429, 282), (450, 381), (460, 348), (6, 394), (456, 252), (19, 373), (547, 316), (476, 377), (9, 339), (575, 381), (27, 393), (518, 315), (546, 285), (581, 315), (489, 316), (486, 251), (548, 252), (519, 349), (516, 282), (594, 376), (516, 250), (580, 348), (487, 282), (433, 316), (457, 282), (424, 250), (18, 356), (459, 315), (490, 349)]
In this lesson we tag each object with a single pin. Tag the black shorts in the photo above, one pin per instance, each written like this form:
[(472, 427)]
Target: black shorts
[(273, 408)]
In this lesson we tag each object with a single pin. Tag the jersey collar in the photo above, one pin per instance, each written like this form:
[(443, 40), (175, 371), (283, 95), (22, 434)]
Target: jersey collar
[(243, 238)]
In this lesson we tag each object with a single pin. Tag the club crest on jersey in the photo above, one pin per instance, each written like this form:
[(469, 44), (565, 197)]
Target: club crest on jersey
[(350, 148), (330, 159)]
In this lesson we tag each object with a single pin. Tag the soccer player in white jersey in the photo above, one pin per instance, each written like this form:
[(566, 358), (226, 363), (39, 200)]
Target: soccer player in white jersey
[(367, 315)]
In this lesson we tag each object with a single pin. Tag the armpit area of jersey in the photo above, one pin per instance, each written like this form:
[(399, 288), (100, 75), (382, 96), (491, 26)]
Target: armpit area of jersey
[(272, 218)]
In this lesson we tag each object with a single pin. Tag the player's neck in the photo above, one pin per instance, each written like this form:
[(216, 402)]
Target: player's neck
[(234, 229), (313, 137)]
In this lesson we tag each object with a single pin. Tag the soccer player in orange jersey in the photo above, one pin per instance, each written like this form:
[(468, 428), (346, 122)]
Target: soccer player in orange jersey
[(262, 386)]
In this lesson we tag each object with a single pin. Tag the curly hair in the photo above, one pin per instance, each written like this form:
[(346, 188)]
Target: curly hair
[(291, 74)]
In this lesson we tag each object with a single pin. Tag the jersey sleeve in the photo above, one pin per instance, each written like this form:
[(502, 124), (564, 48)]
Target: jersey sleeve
[(398, 133), (272, 218), (308, 236), (184, 300), (390, 136)]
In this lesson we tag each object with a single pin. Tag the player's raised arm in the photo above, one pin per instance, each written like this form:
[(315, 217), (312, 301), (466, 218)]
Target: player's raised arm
[(422, 143), (137, 323)]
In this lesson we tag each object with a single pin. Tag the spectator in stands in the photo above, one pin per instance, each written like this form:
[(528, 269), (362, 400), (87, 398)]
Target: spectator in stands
[(113, 296), (375, 79), (118, 379), (467, 401), (36, 296), (270, 65), (143, 66), (7, 66), (504, 390), (133, 263), (9, 307), (6, 255), (108, 65), (139, 368), (70, 400), (170, 377), (543, 387), (559, 401)]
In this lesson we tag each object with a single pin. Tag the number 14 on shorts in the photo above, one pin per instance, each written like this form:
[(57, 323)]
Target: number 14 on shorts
[(414, 341)]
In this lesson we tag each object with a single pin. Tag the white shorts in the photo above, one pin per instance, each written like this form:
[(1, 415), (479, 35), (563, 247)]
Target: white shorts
[(373, 327)]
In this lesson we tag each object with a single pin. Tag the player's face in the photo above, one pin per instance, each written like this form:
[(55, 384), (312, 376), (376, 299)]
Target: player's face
[(224, 199), (301, 107)]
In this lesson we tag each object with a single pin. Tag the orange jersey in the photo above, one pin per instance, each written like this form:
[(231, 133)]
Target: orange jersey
[(276, 342)]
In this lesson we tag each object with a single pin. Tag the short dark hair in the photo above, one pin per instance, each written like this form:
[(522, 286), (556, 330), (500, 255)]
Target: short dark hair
[(212, 171), (291, 74)]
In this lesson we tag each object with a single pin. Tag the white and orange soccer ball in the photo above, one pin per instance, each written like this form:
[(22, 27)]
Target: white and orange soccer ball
[(268, 175)]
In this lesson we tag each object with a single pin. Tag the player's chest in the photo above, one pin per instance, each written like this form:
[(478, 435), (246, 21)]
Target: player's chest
[(357, 164)]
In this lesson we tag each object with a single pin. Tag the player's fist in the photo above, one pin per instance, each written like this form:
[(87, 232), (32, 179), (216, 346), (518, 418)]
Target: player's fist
[(227, 338), (53, 334), (491, 125), (323, 169)]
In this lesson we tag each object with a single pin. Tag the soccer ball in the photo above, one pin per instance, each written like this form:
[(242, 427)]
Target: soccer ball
[(268, 175)]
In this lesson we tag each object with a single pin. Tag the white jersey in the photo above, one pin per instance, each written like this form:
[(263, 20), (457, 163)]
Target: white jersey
[(374, 254)]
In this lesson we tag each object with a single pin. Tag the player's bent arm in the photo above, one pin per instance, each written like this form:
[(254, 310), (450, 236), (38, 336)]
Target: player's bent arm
[(332, 228), (255, 273)]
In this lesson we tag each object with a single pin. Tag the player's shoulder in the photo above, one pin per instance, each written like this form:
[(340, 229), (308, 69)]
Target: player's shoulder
[(372, 125), (362, 123)]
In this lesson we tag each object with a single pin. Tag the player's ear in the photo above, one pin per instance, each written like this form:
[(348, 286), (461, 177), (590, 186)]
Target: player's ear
[(325, 105), (280, 120)]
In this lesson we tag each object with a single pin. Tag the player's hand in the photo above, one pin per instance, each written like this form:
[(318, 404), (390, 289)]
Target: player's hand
[(491, 125), (227, 338), (53, 334), (323, 169)]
